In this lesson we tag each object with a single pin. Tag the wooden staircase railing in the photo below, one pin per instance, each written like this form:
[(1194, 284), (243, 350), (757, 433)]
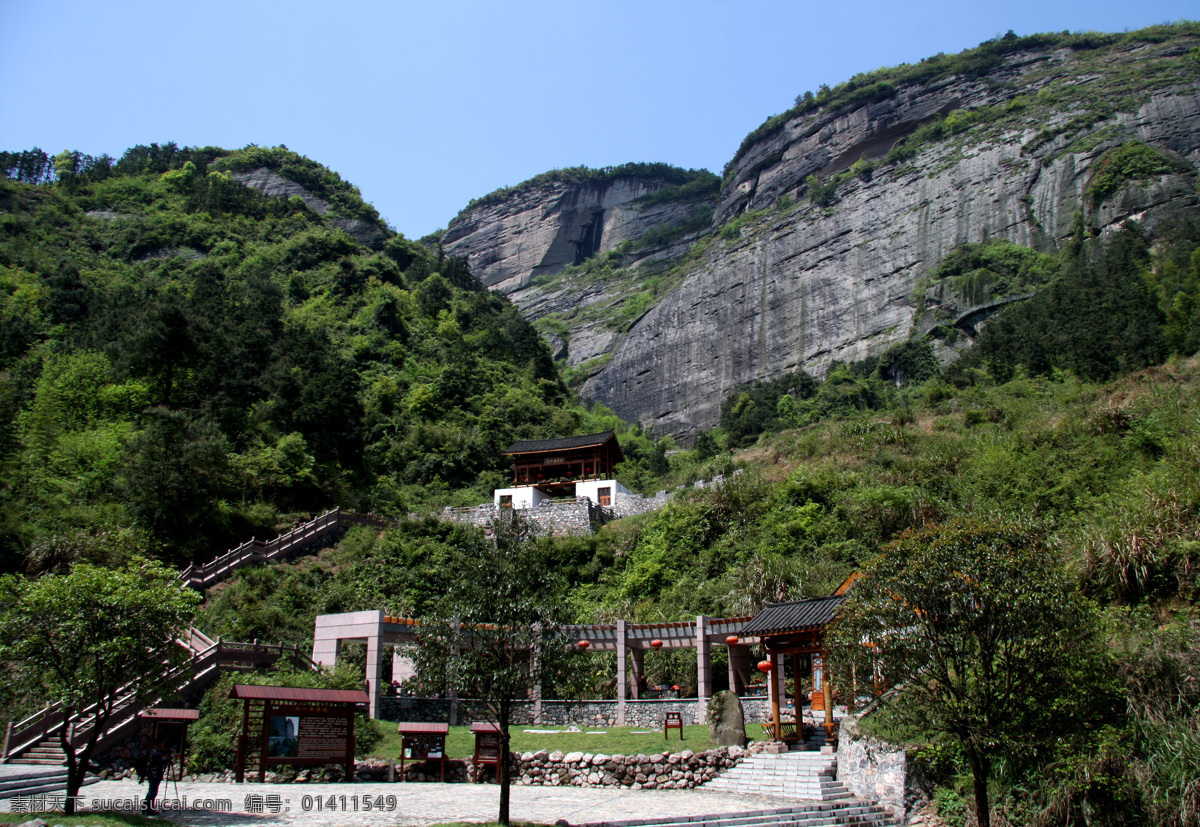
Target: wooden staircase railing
[(186, 678), (253, 550)]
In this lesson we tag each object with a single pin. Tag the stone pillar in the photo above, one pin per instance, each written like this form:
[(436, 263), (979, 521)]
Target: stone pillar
[(452, 694), (622, 673), (703, 670), (740, 666), (403, 666), (375, 664), (535, 657), (637, 671)]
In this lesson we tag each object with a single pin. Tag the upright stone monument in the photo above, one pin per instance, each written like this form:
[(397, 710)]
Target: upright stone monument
[(726, 720)]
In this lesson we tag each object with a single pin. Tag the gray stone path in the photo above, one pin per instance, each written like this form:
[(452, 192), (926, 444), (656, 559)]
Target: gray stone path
[(416, 804)]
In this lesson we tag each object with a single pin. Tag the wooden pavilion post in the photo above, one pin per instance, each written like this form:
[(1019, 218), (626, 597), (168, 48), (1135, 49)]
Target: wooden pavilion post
[(797, 695), (774, 687), (828, 688)]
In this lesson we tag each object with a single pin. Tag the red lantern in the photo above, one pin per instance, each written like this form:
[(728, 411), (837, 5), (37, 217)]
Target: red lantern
[(732, 640), (583, 644), (765, 666), (656, 644)]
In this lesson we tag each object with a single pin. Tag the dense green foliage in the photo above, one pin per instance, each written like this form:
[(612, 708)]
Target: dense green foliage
[(991, 649), (84, 636), (184, 361), (1131, 161)]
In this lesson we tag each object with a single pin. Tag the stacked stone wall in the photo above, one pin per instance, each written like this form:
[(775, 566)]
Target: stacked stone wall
[(572, 518), (556, 518), (878, 771), (647, 714)]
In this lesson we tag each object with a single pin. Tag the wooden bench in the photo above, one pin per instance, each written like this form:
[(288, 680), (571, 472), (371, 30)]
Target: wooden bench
[(674, 720)]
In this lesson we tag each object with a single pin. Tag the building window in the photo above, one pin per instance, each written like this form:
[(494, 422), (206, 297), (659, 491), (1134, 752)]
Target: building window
[(506, 500), (605, 495)]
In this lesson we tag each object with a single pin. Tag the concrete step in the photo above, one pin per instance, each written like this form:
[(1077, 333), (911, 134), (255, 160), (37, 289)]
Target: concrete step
[(36, 782), (837, 814)]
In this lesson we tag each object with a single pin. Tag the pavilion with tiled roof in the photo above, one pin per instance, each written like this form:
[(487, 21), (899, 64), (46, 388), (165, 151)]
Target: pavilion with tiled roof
[(797, 628), (579, 466)]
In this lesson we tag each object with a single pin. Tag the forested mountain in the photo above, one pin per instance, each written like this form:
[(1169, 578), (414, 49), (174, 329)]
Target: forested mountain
[(185, 360), (962, 292)]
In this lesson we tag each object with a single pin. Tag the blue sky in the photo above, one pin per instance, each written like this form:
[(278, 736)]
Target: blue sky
[(426, 105)]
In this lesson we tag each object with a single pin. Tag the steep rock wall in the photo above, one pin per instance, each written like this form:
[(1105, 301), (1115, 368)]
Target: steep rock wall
[(274, 185), (804, 286), (542, 229)]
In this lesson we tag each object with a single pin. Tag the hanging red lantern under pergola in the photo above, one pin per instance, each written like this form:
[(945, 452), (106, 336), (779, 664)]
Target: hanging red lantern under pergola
[(656, 644), (583, 644), (732, 640), (765, 666)]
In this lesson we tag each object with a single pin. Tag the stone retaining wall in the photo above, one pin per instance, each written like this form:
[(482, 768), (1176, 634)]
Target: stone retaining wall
[(661, 771), (648, 714), (556, 518), (878, 771)]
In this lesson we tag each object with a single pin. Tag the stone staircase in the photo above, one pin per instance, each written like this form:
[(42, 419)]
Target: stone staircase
[(806, 774), (813, 814), (23, 781)]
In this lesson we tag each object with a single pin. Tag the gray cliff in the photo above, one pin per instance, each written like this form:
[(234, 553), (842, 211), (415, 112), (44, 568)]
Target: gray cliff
[(542, 229), (274, 185), (784, 280)]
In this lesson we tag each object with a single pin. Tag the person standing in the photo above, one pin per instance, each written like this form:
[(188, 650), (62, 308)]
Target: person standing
[(156, 764)]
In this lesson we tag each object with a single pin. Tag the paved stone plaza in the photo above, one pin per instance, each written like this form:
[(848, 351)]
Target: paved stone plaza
[(415, 804)]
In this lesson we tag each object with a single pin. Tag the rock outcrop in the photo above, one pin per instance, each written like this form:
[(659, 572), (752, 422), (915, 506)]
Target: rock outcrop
[(805, 286), (787, 280), (272, 184), (544, 228)]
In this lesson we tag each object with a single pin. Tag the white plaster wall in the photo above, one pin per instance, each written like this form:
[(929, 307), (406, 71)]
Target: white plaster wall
[(591, 489), (524, 497)]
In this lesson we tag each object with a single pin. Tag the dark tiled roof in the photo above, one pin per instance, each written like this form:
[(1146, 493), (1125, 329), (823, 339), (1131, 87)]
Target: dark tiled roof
[(538, 446), (795, 615), (299, 694)]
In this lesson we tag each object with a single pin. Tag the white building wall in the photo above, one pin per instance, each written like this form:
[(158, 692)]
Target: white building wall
[(591, 490), (525, 496)]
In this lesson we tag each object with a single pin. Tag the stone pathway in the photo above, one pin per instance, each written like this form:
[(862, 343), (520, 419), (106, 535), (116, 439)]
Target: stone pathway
[(418, 805)]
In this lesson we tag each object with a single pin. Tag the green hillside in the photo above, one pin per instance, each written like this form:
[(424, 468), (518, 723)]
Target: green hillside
[(186, 362)]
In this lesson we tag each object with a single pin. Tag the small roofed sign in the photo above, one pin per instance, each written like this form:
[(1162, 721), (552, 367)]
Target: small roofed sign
[(296, 725)]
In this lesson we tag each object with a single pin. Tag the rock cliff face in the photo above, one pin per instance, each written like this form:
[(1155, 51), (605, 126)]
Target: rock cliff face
[(787, 279), (545, 228), (802, 287), (274, 185)]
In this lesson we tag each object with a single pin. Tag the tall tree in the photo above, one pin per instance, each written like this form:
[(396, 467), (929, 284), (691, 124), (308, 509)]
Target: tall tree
[(984, 639), (85, 635), (497, 633)]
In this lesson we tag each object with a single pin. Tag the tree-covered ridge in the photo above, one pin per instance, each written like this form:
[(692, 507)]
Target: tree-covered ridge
[(700, 181), (986, 57), (184, 361)]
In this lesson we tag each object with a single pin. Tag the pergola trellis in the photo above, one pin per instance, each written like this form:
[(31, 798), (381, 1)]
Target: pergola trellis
[(628, 640)]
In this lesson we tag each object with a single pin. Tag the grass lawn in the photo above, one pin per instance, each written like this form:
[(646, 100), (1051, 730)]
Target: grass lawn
[(460, 743)]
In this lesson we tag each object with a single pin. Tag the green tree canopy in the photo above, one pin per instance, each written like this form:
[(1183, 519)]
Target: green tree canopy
[(497, 633), (987, 645), (85, 635)]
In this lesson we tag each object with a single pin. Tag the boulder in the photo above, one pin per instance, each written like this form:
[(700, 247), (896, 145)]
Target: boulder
[(726, 720)]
